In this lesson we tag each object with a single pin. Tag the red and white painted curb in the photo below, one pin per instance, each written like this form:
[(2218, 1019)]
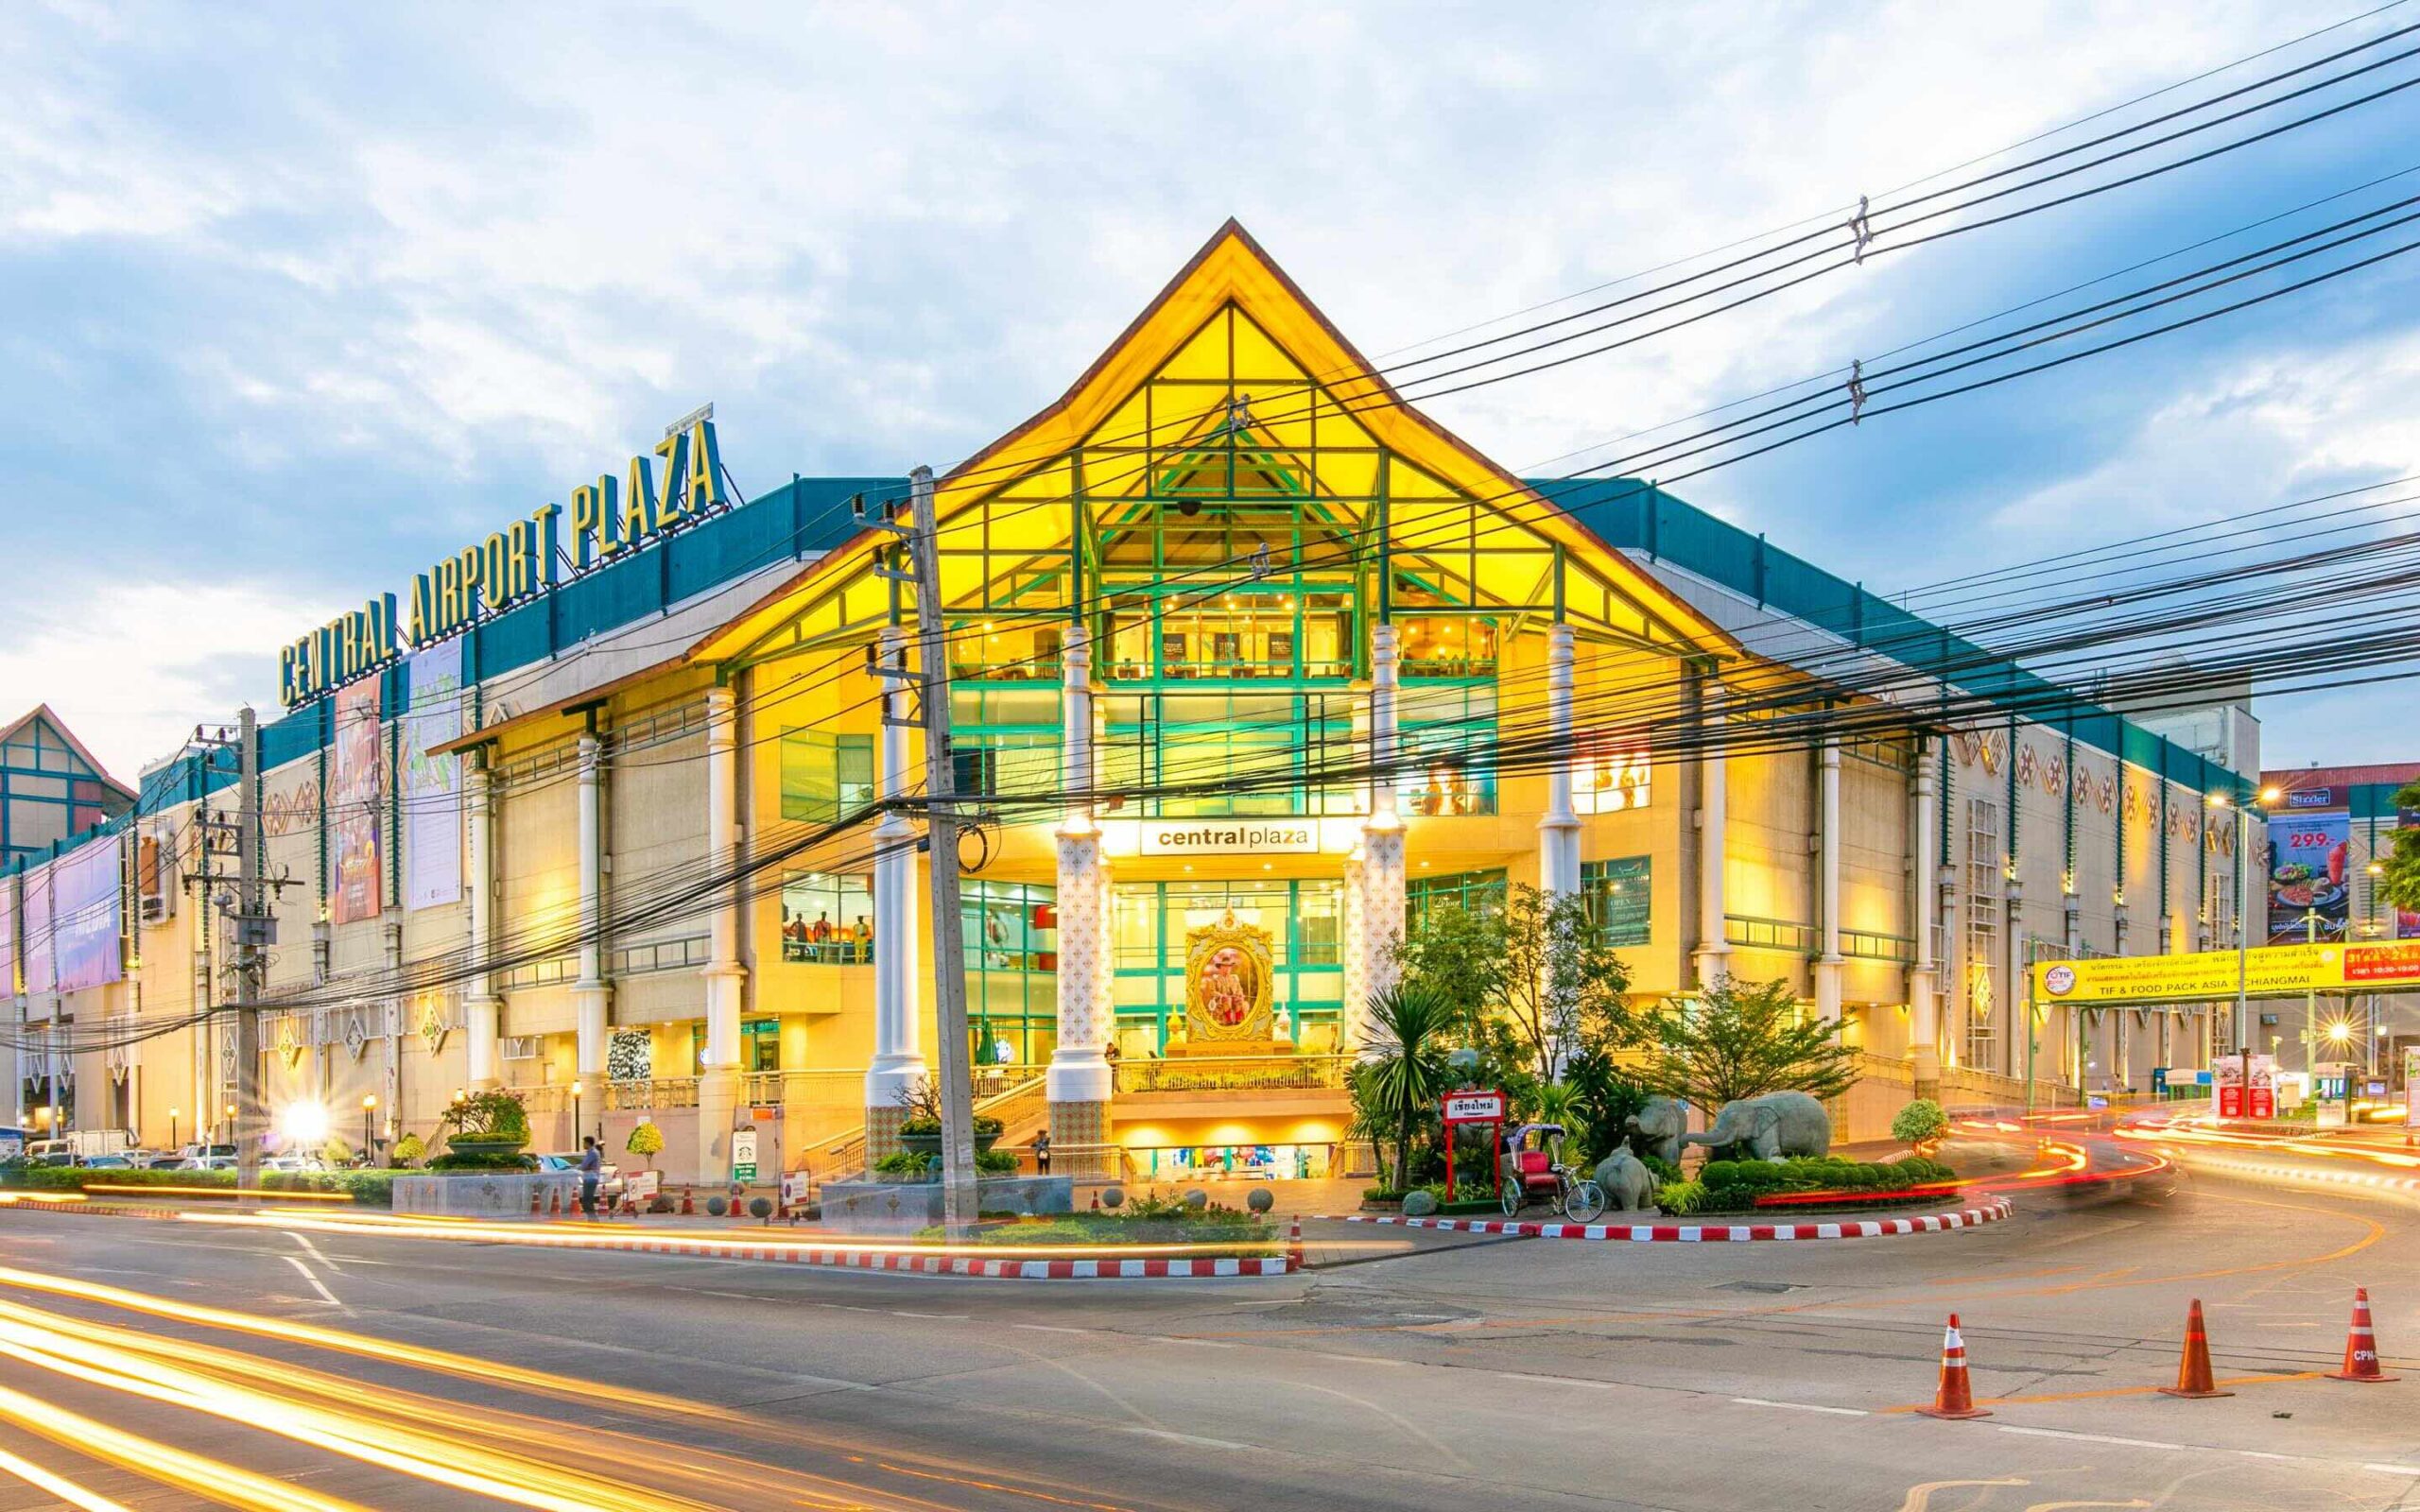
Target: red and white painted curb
[(1663, 1233), (1014, 1270), (583, 1237)]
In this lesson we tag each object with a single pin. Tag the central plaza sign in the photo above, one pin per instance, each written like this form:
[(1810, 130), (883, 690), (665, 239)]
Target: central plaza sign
[(607, 517)]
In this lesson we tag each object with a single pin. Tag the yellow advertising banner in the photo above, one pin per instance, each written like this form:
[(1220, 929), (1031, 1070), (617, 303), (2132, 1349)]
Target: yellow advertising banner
[(2268, 971)]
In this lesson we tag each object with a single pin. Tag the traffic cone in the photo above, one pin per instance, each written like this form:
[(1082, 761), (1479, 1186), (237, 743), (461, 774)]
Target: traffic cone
[(1954, 1399), (2193, 1372), (1294, 1244), (537, 1203), (688, 1202), (554, 1202), (1096, 1199), (2362, 1345)]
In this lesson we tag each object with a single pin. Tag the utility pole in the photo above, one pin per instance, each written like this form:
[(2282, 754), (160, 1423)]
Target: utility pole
[(250, 920), (251, 929), (931, 679)]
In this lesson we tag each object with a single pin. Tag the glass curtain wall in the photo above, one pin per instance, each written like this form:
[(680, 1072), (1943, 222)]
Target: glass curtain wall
[(1303, 918)]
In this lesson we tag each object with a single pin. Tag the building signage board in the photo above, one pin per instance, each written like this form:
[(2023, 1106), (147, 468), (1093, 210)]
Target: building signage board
[(2226, 1075), (358, 887), (743, 1155), (86, 900), (432, 785), (607, 517), (1474, 1107), (2205, 976), (1255, 837), (2309, 862)]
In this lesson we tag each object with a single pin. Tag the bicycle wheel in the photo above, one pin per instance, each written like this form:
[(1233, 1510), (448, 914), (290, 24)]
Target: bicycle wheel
[(1510, 1195), (1586, 1201)]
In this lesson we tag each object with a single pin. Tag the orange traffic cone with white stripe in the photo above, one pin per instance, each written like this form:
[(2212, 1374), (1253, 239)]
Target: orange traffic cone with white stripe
[(2362, 1345), (2193, 1370), (1955, 1398)]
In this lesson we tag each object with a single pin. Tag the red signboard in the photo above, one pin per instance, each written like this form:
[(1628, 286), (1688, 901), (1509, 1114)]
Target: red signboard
[(2227, 1075), (2382, 962), (1472, 1106)]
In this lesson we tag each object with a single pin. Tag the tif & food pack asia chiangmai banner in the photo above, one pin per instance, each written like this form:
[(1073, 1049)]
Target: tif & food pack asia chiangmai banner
[(352, 805), (432, 785)]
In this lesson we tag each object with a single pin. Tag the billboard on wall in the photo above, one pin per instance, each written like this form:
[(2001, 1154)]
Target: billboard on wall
[(36, 928), (8, 940), (2309, 866), (352, 805), (432, 785), (86, 916)]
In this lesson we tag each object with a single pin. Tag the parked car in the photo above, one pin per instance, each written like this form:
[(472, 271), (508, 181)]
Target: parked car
[(150, 1159), (206, 1163), (292, 1162), (105, 1162), (609, 1185)]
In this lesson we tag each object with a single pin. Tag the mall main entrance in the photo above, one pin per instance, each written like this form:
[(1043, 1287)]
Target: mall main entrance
[(1303, 918)]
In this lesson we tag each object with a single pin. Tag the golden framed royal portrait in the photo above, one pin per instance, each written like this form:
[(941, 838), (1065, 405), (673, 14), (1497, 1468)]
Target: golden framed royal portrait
[(1229, 980)]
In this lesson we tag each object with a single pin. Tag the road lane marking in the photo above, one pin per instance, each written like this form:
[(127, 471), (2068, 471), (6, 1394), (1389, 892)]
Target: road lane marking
[(314, 1251), (1361, 1359), (2111, 1391), (1173, 1436), (2092, 1439), (2393, 1469), (945, 1317), (1199, 1344), (328, 1296), (1553, 1381), (1046, 1328), (1801, 1406)]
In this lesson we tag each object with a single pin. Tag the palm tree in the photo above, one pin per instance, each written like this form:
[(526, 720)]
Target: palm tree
[(1409, 1074)]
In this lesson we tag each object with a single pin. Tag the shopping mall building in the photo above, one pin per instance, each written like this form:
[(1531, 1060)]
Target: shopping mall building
[(1209, 590)]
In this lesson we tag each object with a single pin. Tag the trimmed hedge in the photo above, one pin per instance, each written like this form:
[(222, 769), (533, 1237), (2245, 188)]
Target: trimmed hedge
[(1735, 1186), (369, 1188)]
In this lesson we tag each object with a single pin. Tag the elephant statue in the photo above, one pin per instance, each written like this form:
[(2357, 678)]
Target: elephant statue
[(1655, 1129), (1769, 1128), (1628, 1185)]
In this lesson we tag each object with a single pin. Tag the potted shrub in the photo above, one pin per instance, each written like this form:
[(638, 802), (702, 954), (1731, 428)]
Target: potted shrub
[(921, 1134), (491, 1123)]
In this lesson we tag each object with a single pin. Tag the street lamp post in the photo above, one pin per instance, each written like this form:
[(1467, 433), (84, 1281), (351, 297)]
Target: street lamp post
[(231, 1120), (576, 1089), (172, 1130), (2242, 938), (369, 1130)]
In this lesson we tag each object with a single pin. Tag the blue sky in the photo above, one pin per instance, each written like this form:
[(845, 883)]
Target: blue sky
[(299, 298)]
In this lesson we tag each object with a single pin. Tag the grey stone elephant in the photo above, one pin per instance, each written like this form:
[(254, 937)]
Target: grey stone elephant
[(1769, 1128), (1657, 1129), (1628, 1186)]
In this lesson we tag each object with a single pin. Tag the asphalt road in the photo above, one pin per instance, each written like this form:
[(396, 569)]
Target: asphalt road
[(1435, 1372)]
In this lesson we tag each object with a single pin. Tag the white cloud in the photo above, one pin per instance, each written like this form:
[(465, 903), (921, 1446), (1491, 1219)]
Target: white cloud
[(132, 667)]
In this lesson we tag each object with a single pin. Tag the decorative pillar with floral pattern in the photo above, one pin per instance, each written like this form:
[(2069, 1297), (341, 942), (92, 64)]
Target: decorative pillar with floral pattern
[(1382, 838), (1079, 1083)]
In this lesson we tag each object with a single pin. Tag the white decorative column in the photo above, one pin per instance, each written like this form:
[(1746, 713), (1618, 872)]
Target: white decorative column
[(1559, 831), (1079, 1083), (1712, 953), (1382, 848), (898, 947), (1924, 978), (480, 1005), (592, 992), (1353, 1034), (719, 1090), (1828, 966)]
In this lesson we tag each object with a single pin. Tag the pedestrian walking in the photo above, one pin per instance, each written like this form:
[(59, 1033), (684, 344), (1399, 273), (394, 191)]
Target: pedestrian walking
[(1041, 1152), (592, 1170)]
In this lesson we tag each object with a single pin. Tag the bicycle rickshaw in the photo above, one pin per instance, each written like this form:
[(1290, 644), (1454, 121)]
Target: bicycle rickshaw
[(1534, 1170)]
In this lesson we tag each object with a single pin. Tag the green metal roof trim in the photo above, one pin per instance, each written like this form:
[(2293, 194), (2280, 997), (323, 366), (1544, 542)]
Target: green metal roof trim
[(804, 517), (1632, 514)]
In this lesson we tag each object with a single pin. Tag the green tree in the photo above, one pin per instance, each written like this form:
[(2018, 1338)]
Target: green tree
[(647, 1142), (1538, 966), (1393, 1093), (2399, 884), (1742, 1040)]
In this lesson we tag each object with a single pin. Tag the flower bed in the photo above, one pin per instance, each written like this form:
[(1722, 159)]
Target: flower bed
[(1770, 1187), (1145, 1221)]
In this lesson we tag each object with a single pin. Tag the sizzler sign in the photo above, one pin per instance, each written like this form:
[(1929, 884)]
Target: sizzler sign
[(607, 517)]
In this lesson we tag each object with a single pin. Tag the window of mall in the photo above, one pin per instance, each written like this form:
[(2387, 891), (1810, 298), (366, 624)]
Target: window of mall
[(1618, 898), (825, 776), (1011, 940), (827, 919), (1473, 892), (1303, 918)]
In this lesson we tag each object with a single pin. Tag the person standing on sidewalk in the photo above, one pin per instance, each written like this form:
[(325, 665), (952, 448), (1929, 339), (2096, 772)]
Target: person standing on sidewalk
[(592, 1170)]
